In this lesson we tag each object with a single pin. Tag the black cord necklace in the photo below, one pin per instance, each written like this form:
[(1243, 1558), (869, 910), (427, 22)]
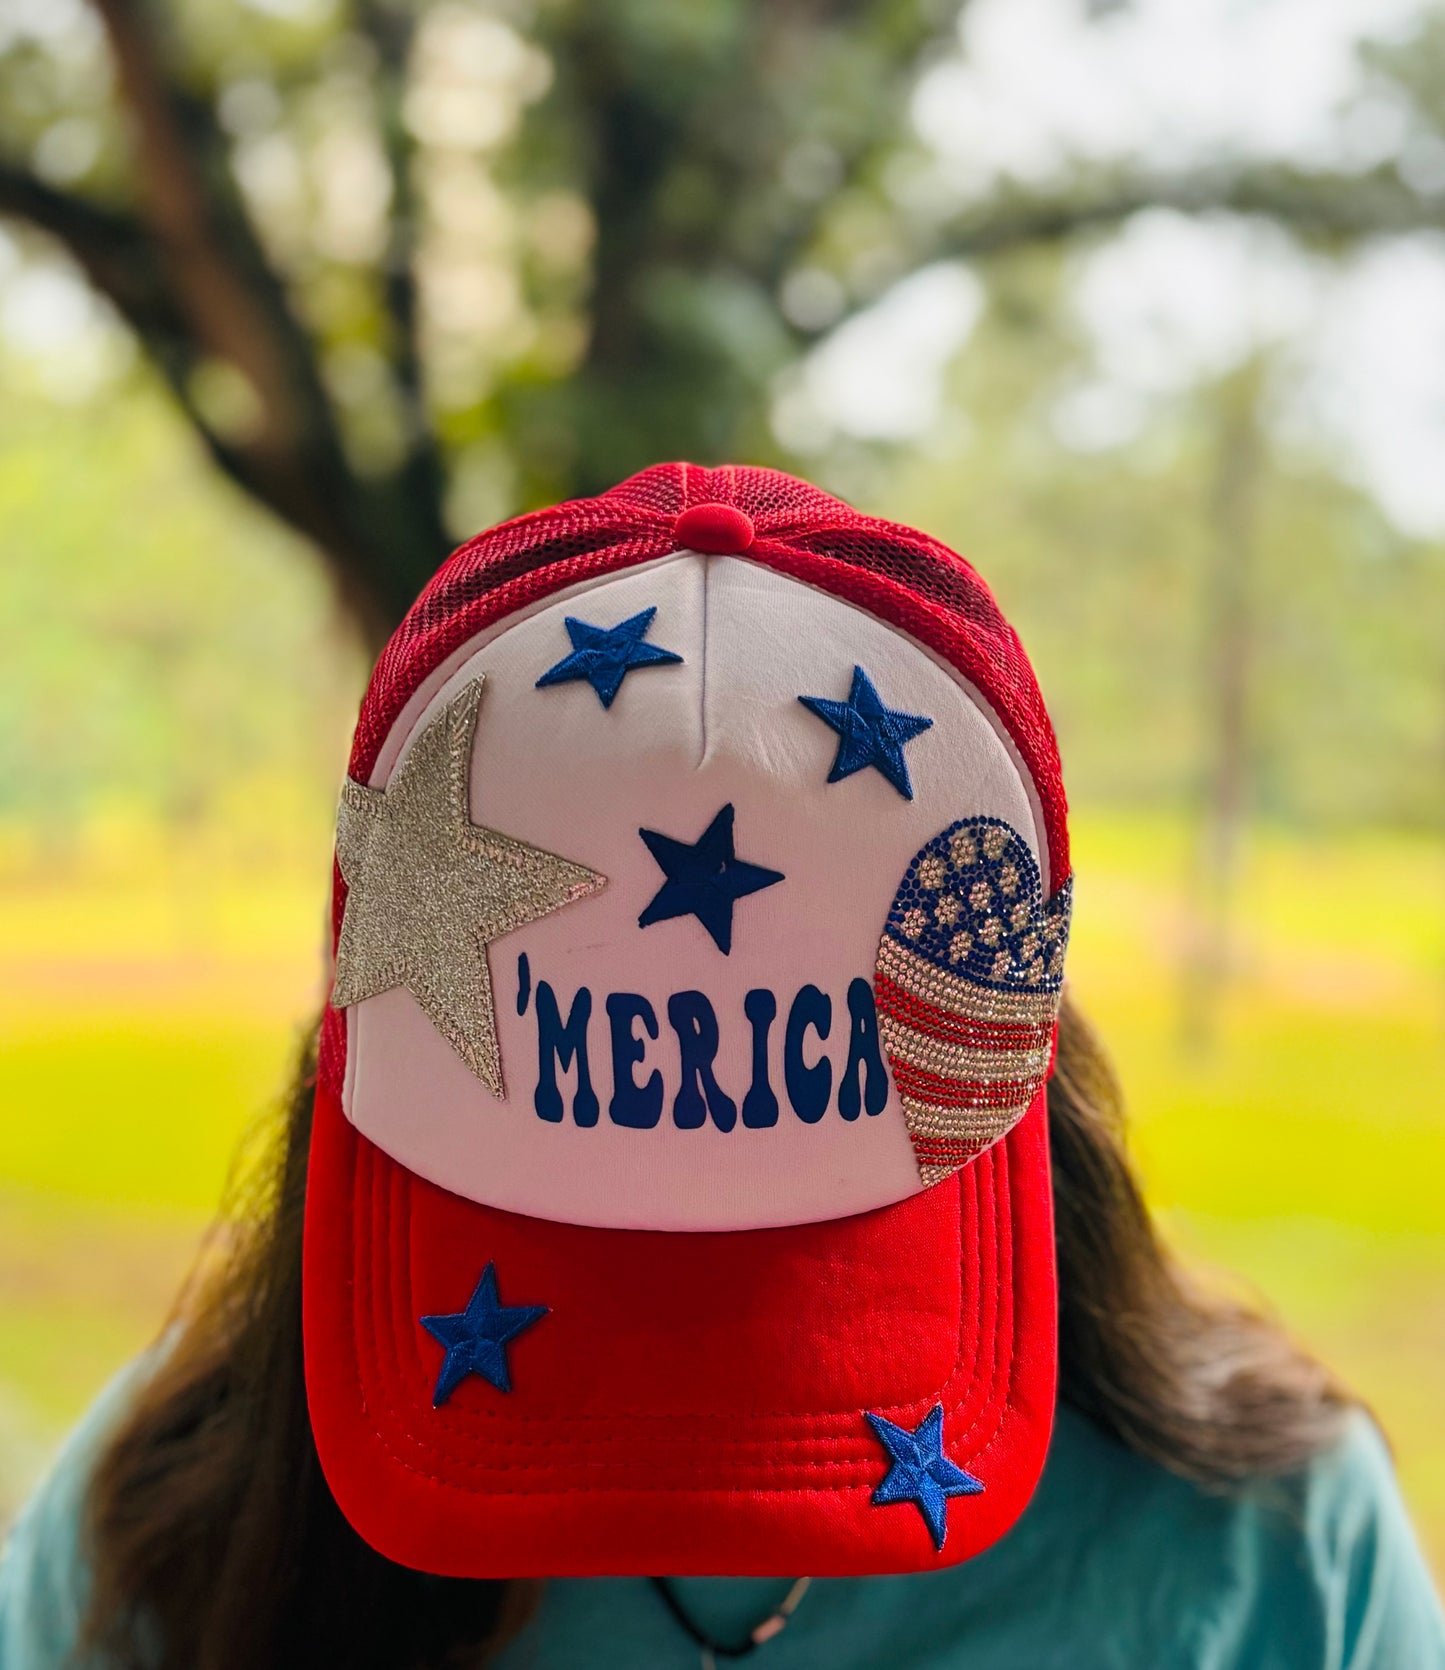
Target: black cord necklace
[(774, 1624)]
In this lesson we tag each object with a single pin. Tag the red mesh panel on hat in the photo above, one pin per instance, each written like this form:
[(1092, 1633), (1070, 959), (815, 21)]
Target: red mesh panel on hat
[(893, 572)]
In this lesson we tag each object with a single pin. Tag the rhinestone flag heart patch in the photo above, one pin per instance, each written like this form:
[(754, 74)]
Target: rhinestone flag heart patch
[(967, 986)]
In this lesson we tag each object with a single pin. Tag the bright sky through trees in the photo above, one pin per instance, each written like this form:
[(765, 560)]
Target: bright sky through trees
[(1036, 87)]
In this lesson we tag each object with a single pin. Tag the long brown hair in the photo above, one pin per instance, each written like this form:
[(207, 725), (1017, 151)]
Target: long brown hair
[(215, 1544)]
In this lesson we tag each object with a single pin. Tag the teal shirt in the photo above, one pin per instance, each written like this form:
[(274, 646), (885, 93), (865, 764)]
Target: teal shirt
[(1115, 1563)]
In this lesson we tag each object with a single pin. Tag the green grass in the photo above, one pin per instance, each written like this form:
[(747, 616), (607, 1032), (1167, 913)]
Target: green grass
[(1304, 1152), (137, 1111), (147, 1021)]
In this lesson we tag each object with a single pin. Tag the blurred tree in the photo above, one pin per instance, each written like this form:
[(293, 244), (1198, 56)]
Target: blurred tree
[(1279, 659), (1231, 633), (409, 265)]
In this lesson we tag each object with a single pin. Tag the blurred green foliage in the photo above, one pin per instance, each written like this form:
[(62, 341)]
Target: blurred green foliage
[(1106, 559), (502, 253), (173, 658), (407, 265), (167, 661), (174, 717)]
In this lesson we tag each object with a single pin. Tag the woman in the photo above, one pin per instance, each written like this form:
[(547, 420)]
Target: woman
[(789, 1303)]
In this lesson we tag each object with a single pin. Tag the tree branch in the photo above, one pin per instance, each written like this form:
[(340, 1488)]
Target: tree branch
[(869, 144), (186, 267), (218, 270), (111, 246), (1319, 208), (223, 299), (391, 29), (118, 254)]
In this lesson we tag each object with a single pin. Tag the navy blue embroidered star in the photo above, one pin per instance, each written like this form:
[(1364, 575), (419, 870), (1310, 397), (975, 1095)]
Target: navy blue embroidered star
[(476, 1338), (921, 1472), (704, 880), (604, 655), (868, 732)]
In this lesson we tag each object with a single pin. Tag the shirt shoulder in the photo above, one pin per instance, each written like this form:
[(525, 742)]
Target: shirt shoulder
[(1384, 1611), (43, 1579), (1116, 1563), (1317, 1569)]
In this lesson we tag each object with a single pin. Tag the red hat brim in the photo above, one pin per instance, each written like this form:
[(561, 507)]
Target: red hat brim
[(691, 1403)]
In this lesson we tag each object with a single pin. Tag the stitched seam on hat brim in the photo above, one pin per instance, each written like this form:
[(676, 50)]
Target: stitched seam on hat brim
[(391, 1322), (421, 1374), (861, 1473), (963, 1377), (972, 1445), (415, 1380)]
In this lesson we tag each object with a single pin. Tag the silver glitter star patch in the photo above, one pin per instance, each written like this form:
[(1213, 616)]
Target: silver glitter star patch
[(428, 890)]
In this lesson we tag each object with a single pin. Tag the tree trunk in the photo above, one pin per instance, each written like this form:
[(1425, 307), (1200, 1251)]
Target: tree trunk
[(1230, 632)]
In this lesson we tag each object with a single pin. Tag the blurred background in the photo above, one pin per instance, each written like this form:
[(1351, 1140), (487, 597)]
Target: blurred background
[(1138, 303)]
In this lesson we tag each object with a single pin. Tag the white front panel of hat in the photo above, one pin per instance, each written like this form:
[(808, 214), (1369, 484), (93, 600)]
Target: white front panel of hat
[(555, 768)]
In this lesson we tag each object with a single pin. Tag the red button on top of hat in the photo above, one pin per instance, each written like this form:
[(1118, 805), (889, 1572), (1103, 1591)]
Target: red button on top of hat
[(716, 528)]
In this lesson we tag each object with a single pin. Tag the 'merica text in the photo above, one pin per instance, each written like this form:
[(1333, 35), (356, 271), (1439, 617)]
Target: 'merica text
[(566, 1044)]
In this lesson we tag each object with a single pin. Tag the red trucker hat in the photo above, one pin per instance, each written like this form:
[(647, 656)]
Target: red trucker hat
[(679, 1193)]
